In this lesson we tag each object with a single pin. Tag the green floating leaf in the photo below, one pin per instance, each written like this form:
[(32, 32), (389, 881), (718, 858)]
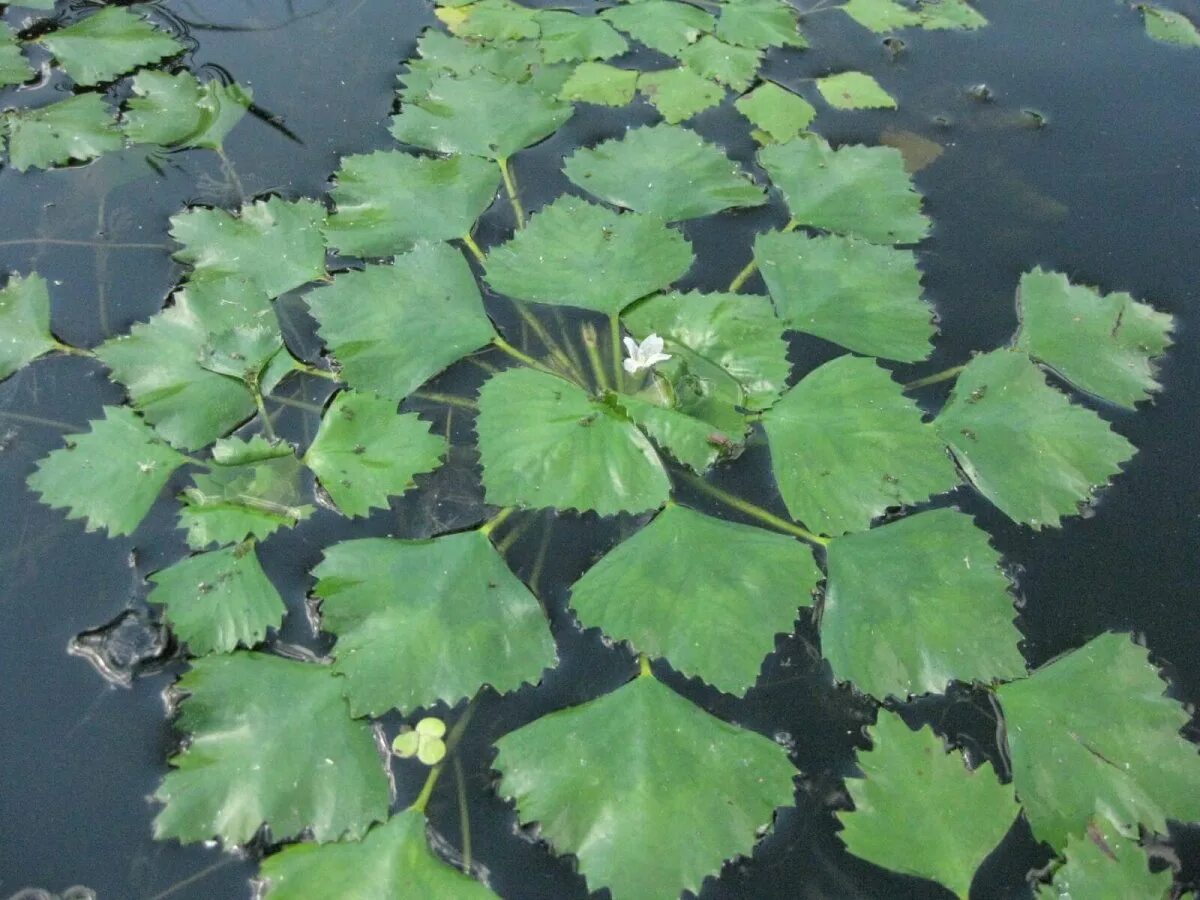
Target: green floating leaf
[(78, 128), (919, 810), (916, 604), (110, 476), (664, 170), (1023, 444), (439, 54), (423, 621), (688, 440), (778, 114), (24, 322), (252, 488), (393, 860), (860, 191), (14, 68), (760, 24), (216, 601), (1101, 343), (389, 200), (393, 327), (570, 37), (424, 742), (108, 43), (575, 253), (178, 111), (271, 742), (678, 93), (544, 443), (479, 114), (847, 445), (1092, 738), (724, 63), (493, 20), (946, 14), (275, 244), (687, 577), (727, 352), (599, 83), (858, 294), (611, 780), (854, 90), (364, 452), (1105, 866), (881, 15), (1169, 26), (161, 362), (662, 25)]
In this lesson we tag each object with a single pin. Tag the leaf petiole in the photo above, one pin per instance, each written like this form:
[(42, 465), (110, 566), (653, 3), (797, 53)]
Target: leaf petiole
[(510, 188), (753, 510)]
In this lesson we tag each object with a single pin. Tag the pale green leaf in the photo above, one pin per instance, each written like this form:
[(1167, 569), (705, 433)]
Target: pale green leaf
[(78, 128), (854, 90), (365, 452), (393, 860), (1092, 738), (440, 53), (679, 93), (109, 476), (108, 43), (916, 604), (393, 327), (479, 114), (1168, 26), (686, 439), (179, 111), (760, 24), (600, 83), (575, 253), (777, 113), (724, 63), (1105, 866), (270, 741), (389, 200), (216, 601), (611, 780), (160, 362), (662, 25), (881, 15), (14, 68), (687, 578), (24, 322), (493, 20), (847, 445), (1023, 444), (275, 244), (424, 621), (861, 295), (570, 37), (1102, 343), (946, 14), (919, 810), (544, 443), (860, 191), (252, 488)]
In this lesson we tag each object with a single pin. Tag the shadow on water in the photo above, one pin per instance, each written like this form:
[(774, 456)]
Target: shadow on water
[(1107, 190)]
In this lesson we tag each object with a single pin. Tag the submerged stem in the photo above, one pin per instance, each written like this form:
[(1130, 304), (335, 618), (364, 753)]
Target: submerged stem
[(552, 346), (496, 521), (521, 356), (73, 351), (448, 399), (944, 375), (614, 326), (268, 428), (751, 267), (753, 510), (451, 742), (470, 244), (510, 188)]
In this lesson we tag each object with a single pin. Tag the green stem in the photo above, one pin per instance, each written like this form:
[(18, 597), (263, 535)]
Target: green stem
[(644, 670), (510, 188), (448, 399), (39, 420), (451, 742), (474, 248), (521, 356), (318, 373), (751, 267), (614, 325), (464, 815), (753, 510), (551, 345), (593, 355), (73, 351), (268, 428), (496, 521), (944, 375)]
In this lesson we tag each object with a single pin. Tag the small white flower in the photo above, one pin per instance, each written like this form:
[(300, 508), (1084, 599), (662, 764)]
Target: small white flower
[(645, 354)]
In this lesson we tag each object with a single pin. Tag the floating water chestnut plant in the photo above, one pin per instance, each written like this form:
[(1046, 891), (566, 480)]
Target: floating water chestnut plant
[(609, 392)]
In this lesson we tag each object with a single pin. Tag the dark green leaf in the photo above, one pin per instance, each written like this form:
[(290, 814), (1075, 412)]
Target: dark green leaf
[(916, 604), (778, 114), (847, 445), (24, 322), (78, 128), (678, 93), (1105, 866), (14, 68), (725, 63), (178, 111), (688, 440), (662, 25), (570, 37), (611, 780), (760, 24), (108, 43), (1023, 444)]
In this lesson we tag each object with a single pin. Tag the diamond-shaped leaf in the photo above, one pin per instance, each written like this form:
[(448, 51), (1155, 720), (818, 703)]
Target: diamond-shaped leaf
[(679, 93), (778, 114), (664, 170), (932, 585), (110, 476), (881, 15), (1092, 738), (393, 327), (1102, 343), (493, 20), (544, 443), (423, 621), (600, 83), (271, 741), (1023, 444), (1103, 865), (78, 128), (846, 445), (724, 63), (945, 14), (662, 25), (108, 43), (760, 24), (216, 601), (570, 37), (854, 90), (687, 577), (687, 440), (14, 68), (1169, 26), (365, 452), (24, 322), (575, 253), (179, 111)]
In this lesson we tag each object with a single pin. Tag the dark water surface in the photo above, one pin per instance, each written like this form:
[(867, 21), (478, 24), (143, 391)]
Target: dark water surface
[(1107, 191)]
